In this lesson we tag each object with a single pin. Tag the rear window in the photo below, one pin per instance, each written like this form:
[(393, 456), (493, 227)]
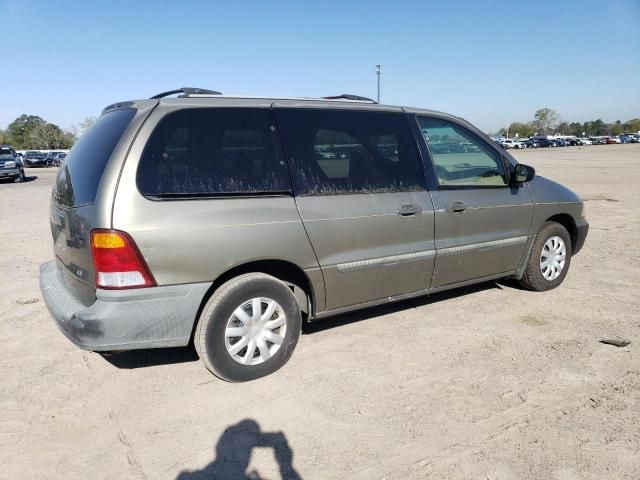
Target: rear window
[(77, 182), (212, 152)]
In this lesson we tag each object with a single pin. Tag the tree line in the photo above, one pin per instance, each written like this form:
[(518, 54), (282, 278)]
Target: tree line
[(547, 121), (31, 132)]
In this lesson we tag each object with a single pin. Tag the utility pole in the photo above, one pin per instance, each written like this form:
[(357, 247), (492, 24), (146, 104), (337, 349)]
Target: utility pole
[(378, 73)]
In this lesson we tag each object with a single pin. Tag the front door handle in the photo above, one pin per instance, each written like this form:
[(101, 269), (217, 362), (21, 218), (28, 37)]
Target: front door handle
[(408, 209), (457, 207)]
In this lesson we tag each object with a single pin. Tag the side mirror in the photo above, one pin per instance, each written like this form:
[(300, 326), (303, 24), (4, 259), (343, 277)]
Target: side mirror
[(523, 173)]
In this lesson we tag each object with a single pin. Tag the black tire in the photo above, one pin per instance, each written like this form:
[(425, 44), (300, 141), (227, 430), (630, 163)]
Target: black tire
[(209, 338), (533, 278)]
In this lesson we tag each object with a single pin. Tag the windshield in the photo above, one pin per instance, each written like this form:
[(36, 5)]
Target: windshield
[(5, 151)]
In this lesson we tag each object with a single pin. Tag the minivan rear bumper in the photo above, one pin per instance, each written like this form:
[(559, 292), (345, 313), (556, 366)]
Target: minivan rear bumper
[(123, 319)]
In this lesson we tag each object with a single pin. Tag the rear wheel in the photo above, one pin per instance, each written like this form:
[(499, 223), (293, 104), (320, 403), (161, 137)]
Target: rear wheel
[(248, 328), (549, 260)]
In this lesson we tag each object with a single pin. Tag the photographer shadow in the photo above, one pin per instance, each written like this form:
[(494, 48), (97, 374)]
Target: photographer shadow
[(233, 454)]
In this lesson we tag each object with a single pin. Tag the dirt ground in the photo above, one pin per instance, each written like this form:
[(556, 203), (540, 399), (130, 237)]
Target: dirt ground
[(487, 382)]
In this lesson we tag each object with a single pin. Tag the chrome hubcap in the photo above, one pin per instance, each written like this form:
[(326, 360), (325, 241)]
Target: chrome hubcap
[(255, 331), (552, 258)]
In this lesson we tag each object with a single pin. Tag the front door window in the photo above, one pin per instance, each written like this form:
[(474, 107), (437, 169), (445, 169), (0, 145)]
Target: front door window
[(460, 158)]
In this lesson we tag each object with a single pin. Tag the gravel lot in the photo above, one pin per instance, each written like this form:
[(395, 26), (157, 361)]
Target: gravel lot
[(484, 382)]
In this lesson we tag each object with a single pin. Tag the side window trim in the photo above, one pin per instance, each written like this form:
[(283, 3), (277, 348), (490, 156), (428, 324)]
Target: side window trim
[(424, 147), (428, 166), (287, 155)]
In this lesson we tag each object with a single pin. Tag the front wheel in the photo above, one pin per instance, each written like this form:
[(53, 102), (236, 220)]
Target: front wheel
[(248, 328), (549, 260)]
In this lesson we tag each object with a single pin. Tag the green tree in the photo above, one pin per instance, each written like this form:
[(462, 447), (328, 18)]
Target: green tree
[(632, 126), (616, 128), (48, 136), (587, 128), (544, 120), (19, 131), (564, 128), (68, 139), (598, 127), (576, 129), (522, 129)]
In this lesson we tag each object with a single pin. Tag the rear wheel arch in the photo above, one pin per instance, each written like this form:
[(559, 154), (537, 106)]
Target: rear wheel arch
[(287, 272)]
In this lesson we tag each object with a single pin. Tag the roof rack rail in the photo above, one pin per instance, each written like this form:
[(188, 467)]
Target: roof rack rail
[(348, 96), (187, 91)]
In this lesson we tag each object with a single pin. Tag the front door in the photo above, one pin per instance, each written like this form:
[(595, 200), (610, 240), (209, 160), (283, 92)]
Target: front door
[(482, 222), (360, 191)]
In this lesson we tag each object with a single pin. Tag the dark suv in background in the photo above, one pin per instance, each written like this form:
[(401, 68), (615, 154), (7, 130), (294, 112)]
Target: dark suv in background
[(10, 165)]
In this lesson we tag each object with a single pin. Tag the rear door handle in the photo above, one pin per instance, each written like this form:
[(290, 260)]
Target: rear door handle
[(457, 207), (408, 209)]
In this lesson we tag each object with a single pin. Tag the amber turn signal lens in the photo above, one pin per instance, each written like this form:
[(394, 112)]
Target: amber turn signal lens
[(107, 240)]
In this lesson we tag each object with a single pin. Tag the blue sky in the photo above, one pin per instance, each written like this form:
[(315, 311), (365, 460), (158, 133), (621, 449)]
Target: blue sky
[(489, 62)]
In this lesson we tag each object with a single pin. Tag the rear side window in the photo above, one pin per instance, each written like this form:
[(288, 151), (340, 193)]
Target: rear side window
[(77, 182), (214, 151), (342, 152)]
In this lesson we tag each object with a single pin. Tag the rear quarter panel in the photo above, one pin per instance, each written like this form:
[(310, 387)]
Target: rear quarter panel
[(71, 226), (197, 240)]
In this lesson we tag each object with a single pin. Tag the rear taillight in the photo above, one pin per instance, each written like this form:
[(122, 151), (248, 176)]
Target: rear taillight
[(118, 262)]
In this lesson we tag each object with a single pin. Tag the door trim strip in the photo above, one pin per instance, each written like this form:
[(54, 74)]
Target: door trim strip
[(482, 245), (410, 257), (384, 261)]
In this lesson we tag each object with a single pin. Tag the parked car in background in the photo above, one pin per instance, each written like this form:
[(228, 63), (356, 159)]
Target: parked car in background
[(33, 158), (634, 138), (10, 165), (545, 143), (532, 143), (53, 158), (559, 142), (586, 141), (512, 143), (612, 140), (136, 236), (598, 140), (573, 142)]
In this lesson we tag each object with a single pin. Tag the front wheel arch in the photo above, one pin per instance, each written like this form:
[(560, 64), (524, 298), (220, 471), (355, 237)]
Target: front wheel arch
[(532, 277), (569, 223)]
